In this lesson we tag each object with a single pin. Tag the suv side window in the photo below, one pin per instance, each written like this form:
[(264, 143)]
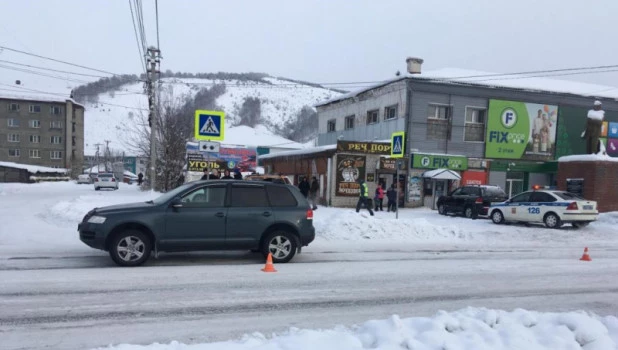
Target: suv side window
[(281, 197), (473, 191), (524, 197), (249, 196), (541, 197), (458, 192), (205, 197)]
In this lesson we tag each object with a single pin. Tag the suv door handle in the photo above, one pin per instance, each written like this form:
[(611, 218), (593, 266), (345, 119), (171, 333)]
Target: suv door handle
[(266, 213), (220, 215)]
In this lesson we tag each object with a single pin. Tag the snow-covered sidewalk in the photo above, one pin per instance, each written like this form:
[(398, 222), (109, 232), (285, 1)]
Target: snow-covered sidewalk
[(467, 329)]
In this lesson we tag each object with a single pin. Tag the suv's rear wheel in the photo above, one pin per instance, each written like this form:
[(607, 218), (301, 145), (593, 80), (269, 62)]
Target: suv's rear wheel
[(130, 248), (468, 212), (281, 244)]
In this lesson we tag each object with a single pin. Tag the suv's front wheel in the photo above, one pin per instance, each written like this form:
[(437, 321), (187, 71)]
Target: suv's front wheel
[(130, 248), (281, 244)]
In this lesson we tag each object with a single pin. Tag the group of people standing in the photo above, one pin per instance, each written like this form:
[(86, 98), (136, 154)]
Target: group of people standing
[(227, 175), (378, 199), (310, 191)]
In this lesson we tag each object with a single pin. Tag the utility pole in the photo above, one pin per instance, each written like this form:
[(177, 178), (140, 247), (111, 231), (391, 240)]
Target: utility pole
[(106, 153), (153, 59), (96, 157)]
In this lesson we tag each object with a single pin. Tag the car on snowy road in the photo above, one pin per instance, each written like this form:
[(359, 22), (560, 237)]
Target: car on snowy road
[(551, 207), (204, 215), (471, 201), (106, 180)]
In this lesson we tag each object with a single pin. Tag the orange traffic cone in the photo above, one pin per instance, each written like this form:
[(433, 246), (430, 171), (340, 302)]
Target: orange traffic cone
[(269, 267), (585, 257)]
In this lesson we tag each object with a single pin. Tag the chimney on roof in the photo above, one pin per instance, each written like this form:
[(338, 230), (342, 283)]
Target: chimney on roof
[(414, 65)]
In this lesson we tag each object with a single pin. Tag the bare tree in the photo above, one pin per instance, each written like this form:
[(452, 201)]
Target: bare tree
[(174, 129)]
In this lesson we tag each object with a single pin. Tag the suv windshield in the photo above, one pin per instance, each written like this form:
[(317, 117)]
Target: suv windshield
[(171, 194), (494, 192)]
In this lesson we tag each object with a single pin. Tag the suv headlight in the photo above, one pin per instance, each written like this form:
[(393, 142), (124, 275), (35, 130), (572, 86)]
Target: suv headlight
[(97, 220)]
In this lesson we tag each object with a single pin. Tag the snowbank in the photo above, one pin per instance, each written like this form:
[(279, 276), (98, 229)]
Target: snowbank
[(467, 329), (588, 158), (33, 168)]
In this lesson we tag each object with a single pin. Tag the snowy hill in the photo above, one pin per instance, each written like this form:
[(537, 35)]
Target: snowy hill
[(117, 113)]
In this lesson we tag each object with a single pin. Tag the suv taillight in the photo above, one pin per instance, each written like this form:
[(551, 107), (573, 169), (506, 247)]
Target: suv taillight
[(309, 214), (96, 179), (113, 180), (572, 206), (479, 200)]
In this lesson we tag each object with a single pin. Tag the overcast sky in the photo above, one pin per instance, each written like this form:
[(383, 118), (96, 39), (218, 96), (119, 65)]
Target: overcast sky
[(320, 41)]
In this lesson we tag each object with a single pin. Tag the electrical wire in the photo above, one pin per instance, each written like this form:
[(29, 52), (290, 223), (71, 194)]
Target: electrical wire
[(139, 47), (23, 70), (56, 60), (53, 70)]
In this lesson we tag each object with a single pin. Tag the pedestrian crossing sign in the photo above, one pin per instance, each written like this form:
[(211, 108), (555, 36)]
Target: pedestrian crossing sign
[(209, 125), (397, 144)]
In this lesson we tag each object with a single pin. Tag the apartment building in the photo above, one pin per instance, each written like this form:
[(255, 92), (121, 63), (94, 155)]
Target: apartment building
[(41, 130)]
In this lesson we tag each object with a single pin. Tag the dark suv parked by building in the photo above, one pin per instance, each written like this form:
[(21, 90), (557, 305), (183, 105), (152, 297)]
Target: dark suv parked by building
[(471, 201), (204, 215)]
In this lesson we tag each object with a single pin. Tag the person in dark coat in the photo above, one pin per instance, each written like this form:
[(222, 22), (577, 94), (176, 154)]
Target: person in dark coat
[(237, 174), (226, 175), (363, 198), (140, 179), (391, 194), (313, 193), (304, 187)]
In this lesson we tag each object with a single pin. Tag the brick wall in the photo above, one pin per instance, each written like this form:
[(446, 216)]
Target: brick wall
[(600, 181)]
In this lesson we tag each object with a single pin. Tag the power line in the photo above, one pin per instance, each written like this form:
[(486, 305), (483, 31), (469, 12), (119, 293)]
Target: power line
[(53, 70), (23, 70), (139, 47), (55, 60)]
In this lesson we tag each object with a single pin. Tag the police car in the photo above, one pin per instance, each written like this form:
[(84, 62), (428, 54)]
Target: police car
[(551, 207)]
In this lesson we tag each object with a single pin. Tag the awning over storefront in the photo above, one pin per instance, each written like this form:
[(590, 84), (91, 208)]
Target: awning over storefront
[(442, 174)]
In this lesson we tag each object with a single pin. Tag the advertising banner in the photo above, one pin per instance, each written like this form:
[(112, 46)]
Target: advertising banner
[(437, 161), (571, 124), (349, 170), (197, 162), (244, 159), (364, 147), (519, 130)]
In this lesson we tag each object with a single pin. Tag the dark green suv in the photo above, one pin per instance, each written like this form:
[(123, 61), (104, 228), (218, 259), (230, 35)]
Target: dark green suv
[(204, 215)]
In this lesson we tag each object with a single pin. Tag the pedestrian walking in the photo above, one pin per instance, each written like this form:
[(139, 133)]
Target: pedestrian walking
[(391, 194), (379, 197), (313, 193), (304, 187), (140, 179), (363, 198), (237, 174)]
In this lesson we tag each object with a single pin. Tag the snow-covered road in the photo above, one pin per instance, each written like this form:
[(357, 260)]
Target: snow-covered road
[(57, 293)]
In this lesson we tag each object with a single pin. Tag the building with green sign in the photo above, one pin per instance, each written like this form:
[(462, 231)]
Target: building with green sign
[(503, 130)]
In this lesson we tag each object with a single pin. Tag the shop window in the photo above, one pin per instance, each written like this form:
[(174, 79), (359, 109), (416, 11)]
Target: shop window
[(331, 125), (349, 122), (372, 116), (390, 112), (474, 130)]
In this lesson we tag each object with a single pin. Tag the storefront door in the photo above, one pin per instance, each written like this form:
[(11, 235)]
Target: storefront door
[(514, 183)]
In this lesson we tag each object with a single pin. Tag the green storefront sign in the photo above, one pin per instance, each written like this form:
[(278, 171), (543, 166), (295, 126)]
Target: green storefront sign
[(519, 130), (437, 161)]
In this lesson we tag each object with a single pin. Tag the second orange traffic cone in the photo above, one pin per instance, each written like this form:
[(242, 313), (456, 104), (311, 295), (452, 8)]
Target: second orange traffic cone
[(585, 257), (269, 267)]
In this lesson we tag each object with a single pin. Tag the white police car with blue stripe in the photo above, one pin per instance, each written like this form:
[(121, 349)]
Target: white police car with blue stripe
[(551, 207)]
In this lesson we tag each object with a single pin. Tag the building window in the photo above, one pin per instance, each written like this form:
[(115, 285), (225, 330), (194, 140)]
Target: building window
[(13, 137), (14, 152), (34, 124), (55, 155), (474, 130), (439, 112), (73, 127), (14, 107), (56, 140), (35, 138), (372, 117), (56, 125), (349, 122), (390, 112), (331, 126), (74, 140), (13, 123), (34, 153), (54, 110), (35, 109)]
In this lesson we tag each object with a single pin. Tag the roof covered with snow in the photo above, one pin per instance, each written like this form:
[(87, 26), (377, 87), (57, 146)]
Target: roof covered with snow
[(299, 152), (33, 168), (496, 80), (258, 136), (39, 97)]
